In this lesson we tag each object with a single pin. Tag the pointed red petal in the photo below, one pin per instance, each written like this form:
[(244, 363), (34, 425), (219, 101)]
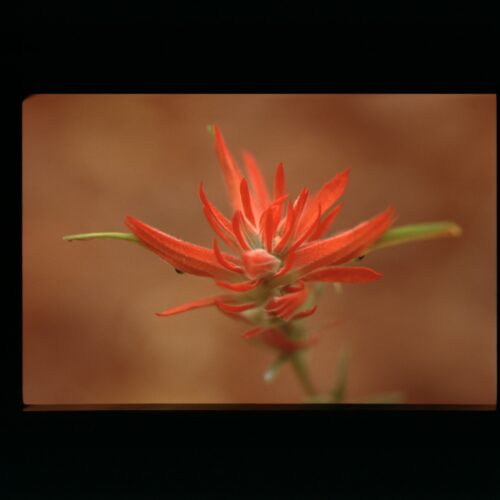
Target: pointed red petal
[(246, 201), (273, 207), (234, 308), (210, 301), (298, 209), (253, 332), (300, 203), (326, 196), (258, 183), (216, 219), (344, 275), (325, 223), (235, 316), (210, 206), (305, 314), (360, 245), (185, 256), (285, 305), (276, 218), (287, 265), (266, 227), (223, 261), (214, 224), (279, 201), (179, 264), (287, 312), (289, 226), (269, 229), (333, 250), (296, 287), (238, 287), (308, 231), (279, 182), (231, 172), (236, 223), (276, 338)]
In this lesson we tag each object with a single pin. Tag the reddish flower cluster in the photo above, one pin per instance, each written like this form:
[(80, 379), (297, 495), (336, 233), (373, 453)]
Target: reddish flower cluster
[(276, 247)]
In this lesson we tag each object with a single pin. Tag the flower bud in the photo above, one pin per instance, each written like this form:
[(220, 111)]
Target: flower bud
[(259, 263)]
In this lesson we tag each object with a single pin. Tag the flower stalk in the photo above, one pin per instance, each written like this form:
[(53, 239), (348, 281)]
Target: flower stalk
[(301, 369)]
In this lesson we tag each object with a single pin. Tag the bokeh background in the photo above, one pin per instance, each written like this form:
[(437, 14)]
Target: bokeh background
[(427, 329)]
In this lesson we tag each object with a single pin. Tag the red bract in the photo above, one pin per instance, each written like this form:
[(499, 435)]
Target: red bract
[(275, 244)]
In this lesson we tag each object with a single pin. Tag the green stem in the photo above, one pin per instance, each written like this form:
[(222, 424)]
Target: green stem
[(301, 368)]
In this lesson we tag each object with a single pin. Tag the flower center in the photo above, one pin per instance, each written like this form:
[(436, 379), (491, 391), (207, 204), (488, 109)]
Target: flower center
[(259, 263)]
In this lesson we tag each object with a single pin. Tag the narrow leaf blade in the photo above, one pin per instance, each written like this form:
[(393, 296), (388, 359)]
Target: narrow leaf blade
[(416, 232), (92, 236)]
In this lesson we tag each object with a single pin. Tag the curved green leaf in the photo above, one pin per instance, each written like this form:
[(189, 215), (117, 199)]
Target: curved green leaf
[(92, 236), (416, 232)]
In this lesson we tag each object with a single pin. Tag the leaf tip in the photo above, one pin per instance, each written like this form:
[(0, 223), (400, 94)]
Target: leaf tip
[(455, 230)]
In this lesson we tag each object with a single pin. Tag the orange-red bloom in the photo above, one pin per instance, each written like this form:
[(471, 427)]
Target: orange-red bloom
[(275, 246)]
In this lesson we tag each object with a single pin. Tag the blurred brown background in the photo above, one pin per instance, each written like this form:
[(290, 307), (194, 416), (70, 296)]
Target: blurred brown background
[(428, 328)]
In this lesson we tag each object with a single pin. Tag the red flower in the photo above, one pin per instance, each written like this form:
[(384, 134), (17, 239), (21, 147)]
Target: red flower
[(275, 246)]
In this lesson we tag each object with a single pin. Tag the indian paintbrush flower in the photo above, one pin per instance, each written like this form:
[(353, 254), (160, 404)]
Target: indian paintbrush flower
[(276, 247), (277, 250)]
